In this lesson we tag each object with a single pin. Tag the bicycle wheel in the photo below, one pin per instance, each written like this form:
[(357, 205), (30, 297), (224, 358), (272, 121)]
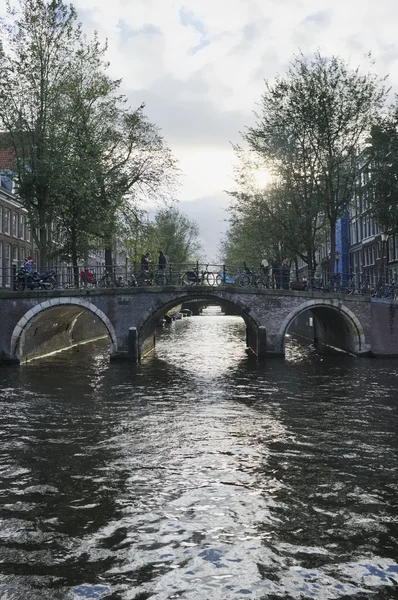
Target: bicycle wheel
[(351, 287), (50, 283), (244, 280), (257, 280), (209, 278), (219, 280), (160, 279), (189, 278), (19, 285), (365, 290)]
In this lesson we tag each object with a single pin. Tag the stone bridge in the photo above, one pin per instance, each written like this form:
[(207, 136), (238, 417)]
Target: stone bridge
[(36, 323)]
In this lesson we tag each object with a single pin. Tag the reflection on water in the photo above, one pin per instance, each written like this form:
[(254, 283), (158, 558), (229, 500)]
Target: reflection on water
[(201, 474)]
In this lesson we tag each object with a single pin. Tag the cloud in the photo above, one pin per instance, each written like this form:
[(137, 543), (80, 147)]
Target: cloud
[(127, 32)]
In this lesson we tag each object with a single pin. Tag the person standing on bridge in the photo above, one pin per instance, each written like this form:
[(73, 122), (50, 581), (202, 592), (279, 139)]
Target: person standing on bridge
[(162, 268), (145, 260), (277, 273), (144, 276), (162, 261)]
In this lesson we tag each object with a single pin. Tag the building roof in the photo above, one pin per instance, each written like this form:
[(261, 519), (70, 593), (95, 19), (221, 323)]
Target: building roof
[(7, 155)]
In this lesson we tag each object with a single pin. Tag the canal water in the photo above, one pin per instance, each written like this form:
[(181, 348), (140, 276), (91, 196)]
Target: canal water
[(200, 474)]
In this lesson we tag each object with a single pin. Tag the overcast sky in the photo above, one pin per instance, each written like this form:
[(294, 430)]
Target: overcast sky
[(200, 65)]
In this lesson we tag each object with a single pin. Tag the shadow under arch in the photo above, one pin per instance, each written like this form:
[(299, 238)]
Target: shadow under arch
[(49, 327), (255, 334), (335, 325)]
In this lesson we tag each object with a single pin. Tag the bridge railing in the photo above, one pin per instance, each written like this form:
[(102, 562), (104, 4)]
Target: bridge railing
[(189, 274)]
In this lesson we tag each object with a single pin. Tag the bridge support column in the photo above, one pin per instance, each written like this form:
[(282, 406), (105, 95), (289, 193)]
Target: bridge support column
[(133, 352), (261, 342), (129, 350), (256, 341), (274, 345)]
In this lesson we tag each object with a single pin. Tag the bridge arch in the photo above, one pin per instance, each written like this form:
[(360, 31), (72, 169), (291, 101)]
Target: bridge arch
[(57, 306), (337, 325), (255, 333)]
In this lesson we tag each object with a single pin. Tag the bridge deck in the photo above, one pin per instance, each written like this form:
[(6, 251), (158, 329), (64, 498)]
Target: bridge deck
[(193, 291)]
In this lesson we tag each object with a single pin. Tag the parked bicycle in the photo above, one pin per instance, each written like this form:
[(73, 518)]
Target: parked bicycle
[(315, 284), (367, 289), (157, 278), (250, 278), (197, 277), (228, 278), (383, 289)]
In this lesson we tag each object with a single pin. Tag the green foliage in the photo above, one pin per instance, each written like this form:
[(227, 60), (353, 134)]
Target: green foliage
[(169, 231), (383, 185), (82, 154), (39, 40), (310, 125)]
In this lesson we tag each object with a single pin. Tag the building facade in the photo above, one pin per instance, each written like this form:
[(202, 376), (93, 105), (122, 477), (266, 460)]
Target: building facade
[(373, 254), (16, 241)]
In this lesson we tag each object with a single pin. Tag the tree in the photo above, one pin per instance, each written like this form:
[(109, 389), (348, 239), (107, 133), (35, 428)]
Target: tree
[(170, 231), (36, 50), (176, 235), (314, 119), (282, 220), (382, 159), (82, 154)]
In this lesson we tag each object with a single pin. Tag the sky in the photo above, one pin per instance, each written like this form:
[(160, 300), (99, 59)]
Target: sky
[(200, 66)]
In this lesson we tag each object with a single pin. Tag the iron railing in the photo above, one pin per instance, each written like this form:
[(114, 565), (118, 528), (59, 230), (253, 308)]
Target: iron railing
[(189, 274)]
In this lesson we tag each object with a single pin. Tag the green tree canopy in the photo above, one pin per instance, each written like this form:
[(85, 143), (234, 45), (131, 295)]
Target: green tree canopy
[(382, 158), (170, 231), (309, 127), (81, 153)]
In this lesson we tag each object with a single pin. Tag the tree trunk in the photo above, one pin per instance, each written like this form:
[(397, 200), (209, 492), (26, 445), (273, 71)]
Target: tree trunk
[(74, 260), (296, 268), (310, 266), (42, 243), (108, 256)]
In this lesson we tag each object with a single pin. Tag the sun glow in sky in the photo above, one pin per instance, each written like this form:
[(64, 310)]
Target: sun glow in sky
[(262, 178)]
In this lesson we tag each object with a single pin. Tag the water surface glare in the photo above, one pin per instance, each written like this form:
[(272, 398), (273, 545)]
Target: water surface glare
[(200, 474)]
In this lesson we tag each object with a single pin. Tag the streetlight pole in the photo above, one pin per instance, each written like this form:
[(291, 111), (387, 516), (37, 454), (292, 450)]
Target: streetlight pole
[(384, 238), (337, 258)]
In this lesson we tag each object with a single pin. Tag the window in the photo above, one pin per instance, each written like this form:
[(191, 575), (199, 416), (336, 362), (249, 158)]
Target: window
[(22, 255), (391, 248), (1, 222), (7, 265), (7, 218), (22, 227), (1, 264), (15, 224), (28, 233), (15, 255)]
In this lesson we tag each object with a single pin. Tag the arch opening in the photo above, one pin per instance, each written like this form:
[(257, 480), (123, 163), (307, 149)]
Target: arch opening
[(52, 327), (255, 335), (328, 326)]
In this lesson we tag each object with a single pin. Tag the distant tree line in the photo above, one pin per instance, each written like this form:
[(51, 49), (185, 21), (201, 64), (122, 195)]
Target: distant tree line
[(82, 155), (168, 230), (315, 129)]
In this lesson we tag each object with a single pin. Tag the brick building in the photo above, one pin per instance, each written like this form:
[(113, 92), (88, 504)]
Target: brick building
[(16, 241)]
